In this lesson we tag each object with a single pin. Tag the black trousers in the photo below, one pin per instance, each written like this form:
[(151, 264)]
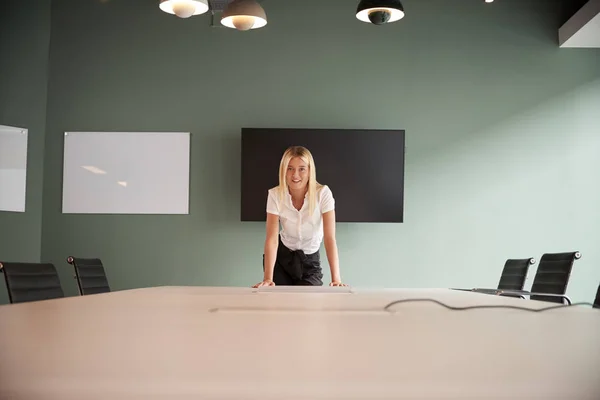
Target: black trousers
[(294, 267)]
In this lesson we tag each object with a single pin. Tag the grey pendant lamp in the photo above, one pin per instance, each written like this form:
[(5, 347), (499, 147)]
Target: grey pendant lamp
[(379, 12), (184, 8), (244, 15)]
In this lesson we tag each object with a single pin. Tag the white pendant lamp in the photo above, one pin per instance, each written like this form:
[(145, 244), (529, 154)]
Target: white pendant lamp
[(184, 8), (244, 15)]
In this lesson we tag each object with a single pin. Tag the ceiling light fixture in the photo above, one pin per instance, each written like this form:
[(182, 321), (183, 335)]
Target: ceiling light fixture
[(244, 15), (184, 8), (379, 12)]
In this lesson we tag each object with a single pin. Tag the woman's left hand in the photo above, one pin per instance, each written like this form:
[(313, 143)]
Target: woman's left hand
[(337, 283)]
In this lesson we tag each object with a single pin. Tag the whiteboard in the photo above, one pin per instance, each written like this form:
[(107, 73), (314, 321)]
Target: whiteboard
[(126, 173), (13, 168)]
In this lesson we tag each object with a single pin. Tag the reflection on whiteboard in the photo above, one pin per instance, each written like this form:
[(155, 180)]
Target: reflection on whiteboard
[(126, 173), (13, 168)]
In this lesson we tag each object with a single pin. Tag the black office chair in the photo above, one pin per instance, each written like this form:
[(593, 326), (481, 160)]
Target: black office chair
[(597, 301), (551, 279), (90, 275), (513, 276), (31, 282)]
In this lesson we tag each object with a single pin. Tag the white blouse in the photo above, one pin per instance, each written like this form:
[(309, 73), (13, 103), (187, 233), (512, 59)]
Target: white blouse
[(299, 230)]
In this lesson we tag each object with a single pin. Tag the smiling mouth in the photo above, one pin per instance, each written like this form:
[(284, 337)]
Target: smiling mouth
[(298, 181)]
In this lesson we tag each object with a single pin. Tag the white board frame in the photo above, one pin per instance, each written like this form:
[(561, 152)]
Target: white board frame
[(13, 168), (126, 173)]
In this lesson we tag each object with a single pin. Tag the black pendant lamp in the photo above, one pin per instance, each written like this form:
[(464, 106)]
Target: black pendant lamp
[(244, 15), (379, 12)]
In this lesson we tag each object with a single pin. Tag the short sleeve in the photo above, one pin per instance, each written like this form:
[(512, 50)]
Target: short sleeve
[(272, 203), (327, 202)]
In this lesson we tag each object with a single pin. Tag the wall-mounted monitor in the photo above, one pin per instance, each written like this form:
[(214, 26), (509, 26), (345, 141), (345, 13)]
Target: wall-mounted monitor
[(363, 167)]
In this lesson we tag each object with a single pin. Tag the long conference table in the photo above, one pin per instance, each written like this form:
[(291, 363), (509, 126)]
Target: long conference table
[(290, 343)]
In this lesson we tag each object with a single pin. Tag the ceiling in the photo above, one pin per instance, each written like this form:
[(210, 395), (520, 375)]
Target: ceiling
[(583, 28)]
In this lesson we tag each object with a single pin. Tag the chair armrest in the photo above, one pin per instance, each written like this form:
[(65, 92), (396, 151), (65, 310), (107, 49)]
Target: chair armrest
[(513, 293), (526, 293), (485, 290)]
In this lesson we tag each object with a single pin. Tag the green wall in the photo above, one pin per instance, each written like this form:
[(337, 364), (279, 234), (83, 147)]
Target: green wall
[(24, 45), (501, 152)]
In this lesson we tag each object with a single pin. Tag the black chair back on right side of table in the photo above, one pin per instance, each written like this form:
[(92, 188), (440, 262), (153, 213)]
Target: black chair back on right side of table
[(514, 274), (553, 276)]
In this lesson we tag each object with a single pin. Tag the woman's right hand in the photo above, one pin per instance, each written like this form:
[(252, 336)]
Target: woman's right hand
[(266, 282)]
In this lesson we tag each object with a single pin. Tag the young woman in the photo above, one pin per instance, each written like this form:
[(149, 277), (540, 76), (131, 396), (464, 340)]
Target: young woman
[(306, 211)]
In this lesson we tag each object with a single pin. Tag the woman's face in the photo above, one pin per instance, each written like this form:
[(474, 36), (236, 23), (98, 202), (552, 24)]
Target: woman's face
[(297, 174)]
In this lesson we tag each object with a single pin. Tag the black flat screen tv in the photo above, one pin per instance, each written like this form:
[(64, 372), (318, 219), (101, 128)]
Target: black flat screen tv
[(363, 167)]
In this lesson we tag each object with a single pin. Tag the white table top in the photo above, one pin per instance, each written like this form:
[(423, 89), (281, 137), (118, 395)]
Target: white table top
[(295, 343)]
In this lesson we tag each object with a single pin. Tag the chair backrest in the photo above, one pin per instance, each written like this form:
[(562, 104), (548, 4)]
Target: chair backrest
[(553, 275), (597, 300), (90, 275), (31, 281), (514, 274)]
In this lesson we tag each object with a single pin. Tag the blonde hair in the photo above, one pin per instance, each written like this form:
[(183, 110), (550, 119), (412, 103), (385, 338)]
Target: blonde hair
[(313, 186)]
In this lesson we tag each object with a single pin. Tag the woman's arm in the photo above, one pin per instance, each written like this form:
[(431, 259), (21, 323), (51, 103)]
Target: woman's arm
[(271, 244), (331, 247)]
